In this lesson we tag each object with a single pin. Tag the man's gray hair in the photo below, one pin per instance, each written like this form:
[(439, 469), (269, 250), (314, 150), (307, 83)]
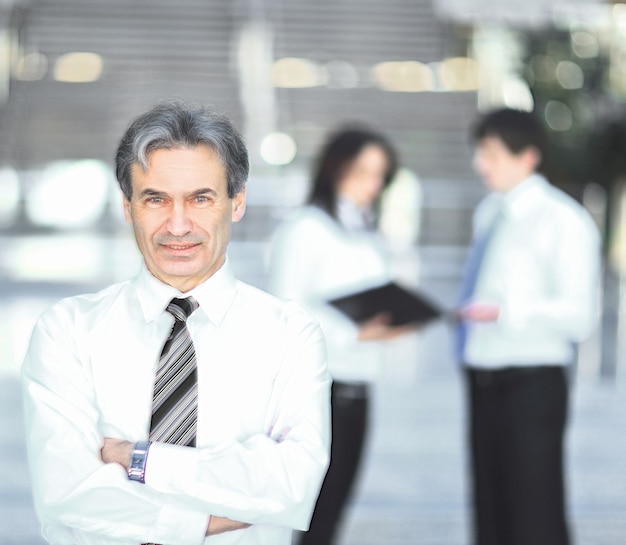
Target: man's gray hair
[(176, 125)]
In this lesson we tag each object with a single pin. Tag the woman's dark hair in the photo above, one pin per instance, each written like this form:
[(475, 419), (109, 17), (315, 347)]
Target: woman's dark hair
[(518, 130), (340, 150)]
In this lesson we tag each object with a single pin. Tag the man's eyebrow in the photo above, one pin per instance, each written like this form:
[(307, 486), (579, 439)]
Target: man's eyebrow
[(204, 191), (149, 192)]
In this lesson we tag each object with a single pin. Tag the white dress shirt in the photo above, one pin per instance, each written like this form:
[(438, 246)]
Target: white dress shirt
[(314, 259), (263, 416), (541, 268)]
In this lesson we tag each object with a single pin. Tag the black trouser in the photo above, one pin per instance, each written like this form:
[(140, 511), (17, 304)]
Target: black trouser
[(517, 423), (349, 423)]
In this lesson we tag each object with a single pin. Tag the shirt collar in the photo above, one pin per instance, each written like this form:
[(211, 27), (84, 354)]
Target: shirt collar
[(214, 295), (352, 216), (523, 196)]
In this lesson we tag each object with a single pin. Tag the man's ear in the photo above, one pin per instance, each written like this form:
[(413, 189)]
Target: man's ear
[(533, 158), (239, 205), (126, 205)]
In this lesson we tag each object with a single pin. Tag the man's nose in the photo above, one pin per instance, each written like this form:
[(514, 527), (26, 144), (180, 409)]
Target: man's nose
[(179, 222)]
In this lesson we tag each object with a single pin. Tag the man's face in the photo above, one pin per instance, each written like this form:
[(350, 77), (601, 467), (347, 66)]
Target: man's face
[(500, 168), (181, 214)]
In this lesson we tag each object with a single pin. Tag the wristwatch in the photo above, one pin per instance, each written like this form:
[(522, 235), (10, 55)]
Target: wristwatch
[(137, 466)]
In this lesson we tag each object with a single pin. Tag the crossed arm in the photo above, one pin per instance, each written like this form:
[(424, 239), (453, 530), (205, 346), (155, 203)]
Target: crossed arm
[(119, 451)]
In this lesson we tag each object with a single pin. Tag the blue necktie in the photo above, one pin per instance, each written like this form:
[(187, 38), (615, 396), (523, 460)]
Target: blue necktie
[(470, 275)]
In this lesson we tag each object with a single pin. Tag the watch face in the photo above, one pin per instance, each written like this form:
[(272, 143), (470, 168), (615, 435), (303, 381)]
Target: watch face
[(136, 471)]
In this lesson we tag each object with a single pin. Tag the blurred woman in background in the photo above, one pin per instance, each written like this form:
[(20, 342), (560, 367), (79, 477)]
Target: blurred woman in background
[(327, 249)]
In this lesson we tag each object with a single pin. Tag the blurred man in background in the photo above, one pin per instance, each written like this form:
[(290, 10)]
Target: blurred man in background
[(529, 293)]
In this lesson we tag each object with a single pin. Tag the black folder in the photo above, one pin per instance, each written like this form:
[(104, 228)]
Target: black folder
[(404, 306)]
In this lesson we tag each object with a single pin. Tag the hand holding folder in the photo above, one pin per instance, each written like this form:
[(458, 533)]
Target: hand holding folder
[(402, 305)]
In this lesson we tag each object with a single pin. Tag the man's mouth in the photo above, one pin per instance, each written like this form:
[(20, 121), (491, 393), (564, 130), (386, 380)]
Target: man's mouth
[(180, 248)]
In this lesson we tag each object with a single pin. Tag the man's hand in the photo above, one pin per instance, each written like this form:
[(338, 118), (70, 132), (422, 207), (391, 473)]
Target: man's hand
[(116, 451), (219, 525), (479, 312)]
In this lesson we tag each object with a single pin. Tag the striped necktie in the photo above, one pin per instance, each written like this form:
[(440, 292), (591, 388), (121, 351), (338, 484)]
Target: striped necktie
[(175, 401)]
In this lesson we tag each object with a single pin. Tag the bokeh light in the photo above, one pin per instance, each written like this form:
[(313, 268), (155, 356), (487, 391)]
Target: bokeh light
[(69, 195), (31, 67), (294, 72), (278, 149), (78, 67), (404, 76), (570, 75), (459, 74), (559, 116)]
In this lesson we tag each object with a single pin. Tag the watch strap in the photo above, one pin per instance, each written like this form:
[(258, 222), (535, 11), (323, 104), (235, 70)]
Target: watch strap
[(138, 459)]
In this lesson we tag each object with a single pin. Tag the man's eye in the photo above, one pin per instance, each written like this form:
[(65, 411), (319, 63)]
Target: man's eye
[(202, 199), (154, 200)]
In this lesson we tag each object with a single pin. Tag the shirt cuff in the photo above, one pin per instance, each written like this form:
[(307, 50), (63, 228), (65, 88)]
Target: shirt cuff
[(170, 468), (182, 526)]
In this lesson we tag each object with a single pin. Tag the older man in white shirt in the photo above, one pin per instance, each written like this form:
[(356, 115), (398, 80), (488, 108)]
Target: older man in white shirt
[(181, 406), (528, 295)]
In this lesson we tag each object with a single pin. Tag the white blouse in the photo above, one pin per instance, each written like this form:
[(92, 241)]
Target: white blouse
[(314, 259)]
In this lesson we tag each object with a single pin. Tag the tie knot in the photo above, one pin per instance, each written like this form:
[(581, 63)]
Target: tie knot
[(181, 309)]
